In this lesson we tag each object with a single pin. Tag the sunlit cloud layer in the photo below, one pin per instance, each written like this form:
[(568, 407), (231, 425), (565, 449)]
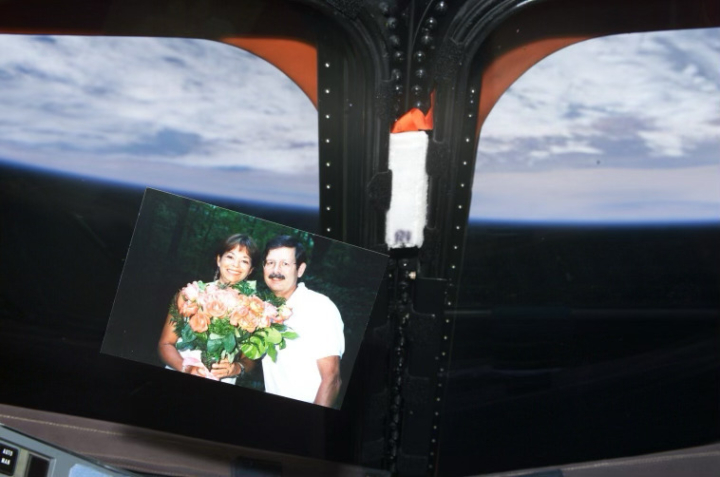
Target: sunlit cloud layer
[(127, 108), (620, 128)]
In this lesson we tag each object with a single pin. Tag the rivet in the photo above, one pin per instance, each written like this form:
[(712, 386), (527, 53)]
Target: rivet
[(327, 141), (437, 413), (467, 139), (327, 208), (449, 303), (457, 226), (447, 320), (459, 206), (327, 90), (417, 90), (419, 56), (455, 247), (328, 229), (391, 23), (327, 116), (394, 40), (462, 184), (327, 186), (395, 75), (431, 23), (398, 56), (470, 115), (327, 164), (441, 7), (426, 39), (327, 65), (452, 266), (420, 73), (472, 91), (464, 163), (445, 337), (443, 353)]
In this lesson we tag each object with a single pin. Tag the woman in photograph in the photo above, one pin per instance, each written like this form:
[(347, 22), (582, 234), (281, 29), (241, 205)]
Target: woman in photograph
[(235, 259)]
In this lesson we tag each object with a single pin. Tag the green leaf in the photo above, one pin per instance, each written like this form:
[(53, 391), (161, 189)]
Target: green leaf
[(260, 343), (272, 352), (183, 345), (229, 343), (247, 287), (283, 344), (289, 335), (214, 346), (187, 334), (273, 336), (250, 350)]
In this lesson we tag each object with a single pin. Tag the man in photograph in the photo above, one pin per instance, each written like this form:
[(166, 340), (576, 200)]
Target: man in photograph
[(308, 369)]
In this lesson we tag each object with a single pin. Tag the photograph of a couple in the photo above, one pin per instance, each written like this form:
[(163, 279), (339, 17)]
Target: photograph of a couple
[(232, 298)]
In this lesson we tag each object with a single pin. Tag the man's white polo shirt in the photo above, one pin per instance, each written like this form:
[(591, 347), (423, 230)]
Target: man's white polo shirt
[(317, 322)]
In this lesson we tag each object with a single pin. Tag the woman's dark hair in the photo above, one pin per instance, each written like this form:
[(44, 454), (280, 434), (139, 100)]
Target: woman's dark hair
[(242, 241), (280, 241)]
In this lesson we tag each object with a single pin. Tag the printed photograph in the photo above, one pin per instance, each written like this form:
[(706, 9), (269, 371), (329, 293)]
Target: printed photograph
[(232, 298)]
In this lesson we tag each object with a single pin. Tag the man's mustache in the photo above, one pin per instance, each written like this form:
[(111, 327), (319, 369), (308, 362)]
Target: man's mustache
[(276, 275)]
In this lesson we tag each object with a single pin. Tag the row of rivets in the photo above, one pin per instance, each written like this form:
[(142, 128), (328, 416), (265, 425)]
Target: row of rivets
[(328, 164), (401, 317), (460, 218)]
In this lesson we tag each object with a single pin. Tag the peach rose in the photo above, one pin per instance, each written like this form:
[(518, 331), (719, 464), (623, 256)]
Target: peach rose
[(257, 306), (188, 308), (199, 322), (191, 291), (230, 297), (247, 323), (238, 315), (270, 314), (284, 314), (215, 306)]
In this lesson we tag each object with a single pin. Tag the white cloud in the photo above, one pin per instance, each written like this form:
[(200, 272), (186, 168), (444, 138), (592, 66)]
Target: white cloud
[(611, 129), (104, 98)]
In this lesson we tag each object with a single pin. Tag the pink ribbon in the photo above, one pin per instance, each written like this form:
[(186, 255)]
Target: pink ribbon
[(194, 362)]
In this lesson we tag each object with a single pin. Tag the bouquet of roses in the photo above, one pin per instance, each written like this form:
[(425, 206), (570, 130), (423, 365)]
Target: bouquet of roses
[(221, 320)]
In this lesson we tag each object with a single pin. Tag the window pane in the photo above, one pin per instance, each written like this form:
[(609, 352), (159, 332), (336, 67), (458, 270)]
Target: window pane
[(597, 179), (619, 129), (194, 117)]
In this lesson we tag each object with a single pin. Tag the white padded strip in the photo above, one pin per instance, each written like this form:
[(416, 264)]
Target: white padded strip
[(408, 205)]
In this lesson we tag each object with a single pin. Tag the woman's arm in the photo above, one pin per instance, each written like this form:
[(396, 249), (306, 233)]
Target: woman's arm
[(166, 346), (170, 355)]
